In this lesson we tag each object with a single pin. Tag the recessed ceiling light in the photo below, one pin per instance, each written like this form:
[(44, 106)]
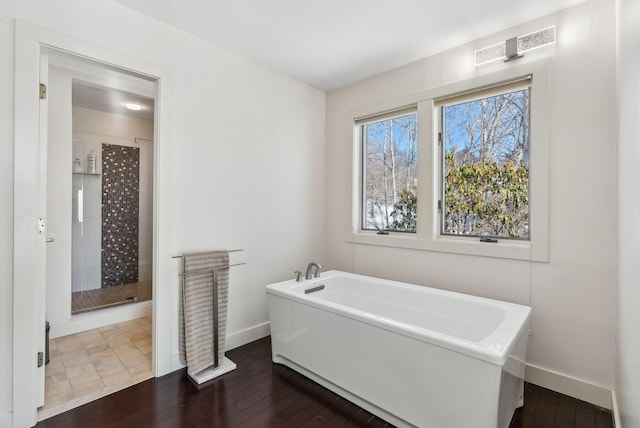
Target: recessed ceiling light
[(133, 106)]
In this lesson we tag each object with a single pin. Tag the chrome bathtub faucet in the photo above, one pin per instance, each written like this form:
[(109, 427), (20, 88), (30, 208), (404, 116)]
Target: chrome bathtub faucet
[(310, 274)]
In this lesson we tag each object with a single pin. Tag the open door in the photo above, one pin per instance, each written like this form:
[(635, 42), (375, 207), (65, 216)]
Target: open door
[(29, 231), (42, 232)]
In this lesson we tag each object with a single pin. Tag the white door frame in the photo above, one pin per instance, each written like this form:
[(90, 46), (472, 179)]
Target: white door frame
[(29, 179)]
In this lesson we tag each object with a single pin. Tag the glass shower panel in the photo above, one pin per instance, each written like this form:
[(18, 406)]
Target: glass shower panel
[(86, 238)]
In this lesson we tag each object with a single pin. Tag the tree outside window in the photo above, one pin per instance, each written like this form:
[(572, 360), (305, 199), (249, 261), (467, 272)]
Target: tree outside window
[(485, 169), (390, 152)]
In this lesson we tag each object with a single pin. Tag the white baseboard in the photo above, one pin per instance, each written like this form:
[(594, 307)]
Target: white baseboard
[(248, 335), (234, 340), (568, 385), (175, 363), (617, 423), (6, 420), (104, 317)]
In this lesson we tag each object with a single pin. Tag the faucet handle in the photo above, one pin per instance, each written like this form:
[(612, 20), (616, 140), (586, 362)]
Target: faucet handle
[(298, 276), (318, 267)]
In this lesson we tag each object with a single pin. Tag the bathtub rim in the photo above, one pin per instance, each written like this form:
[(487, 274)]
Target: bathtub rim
[(495, 348)]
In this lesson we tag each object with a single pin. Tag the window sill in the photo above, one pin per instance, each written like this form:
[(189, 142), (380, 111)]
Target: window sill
[(507, 249)]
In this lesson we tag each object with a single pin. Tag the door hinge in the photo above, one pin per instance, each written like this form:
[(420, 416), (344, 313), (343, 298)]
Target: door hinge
[(439, 137), (40, 359), (43, 91), (440, 205)]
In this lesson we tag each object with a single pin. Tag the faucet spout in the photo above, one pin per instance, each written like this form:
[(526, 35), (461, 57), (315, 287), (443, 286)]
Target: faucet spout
[(310, 268)]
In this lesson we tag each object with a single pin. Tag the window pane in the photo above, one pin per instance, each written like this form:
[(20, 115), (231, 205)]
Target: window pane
[(390, 181), (486, 167)]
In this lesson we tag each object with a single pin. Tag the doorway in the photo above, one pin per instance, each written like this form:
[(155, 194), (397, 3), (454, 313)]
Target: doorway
[(100, 163), (32, 43), (99, 230)]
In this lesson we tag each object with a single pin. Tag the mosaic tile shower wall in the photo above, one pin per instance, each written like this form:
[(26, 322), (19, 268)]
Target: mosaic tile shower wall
[(120, 214)]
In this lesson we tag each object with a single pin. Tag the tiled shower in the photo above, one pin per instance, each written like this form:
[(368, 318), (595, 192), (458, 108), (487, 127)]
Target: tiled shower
[(120, 214), (107, 224)]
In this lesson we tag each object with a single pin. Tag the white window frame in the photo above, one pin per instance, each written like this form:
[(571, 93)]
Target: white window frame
[(427, 236)]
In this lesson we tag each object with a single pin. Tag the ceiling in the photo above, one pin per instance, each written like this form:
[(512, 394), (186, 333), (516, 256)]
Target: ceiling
[(333, 43), (110, 100)]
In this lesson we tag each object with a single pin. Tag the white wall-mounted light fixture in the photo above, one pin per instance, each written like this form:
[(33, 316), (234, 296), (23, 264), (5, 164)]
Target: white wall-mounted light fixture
[(133, 106), (514, 48)]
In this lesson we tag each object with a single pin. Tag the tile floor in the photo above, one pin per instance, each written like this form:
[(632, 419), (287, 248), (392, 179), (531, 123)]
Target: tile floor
[(92, 364)]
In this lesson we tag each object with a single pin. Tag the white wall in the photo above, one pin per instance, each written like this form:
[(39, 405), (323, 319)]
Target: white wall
[(572, 296), (628, 350), (6, 218), (246, 156)]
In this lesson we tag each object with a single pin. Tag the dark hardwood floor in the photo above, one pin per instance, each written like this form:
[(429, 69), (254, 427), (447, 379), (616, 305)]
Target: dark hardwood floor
[(262, 394)]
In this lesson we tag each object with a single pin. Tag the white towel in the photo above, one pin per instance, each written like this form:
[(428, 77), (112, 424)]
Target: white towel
[(196, 309)]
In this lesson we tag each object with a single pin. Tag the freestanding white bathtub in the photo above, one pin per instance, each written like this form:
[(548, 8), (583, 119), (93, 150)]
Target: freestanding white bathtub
[(413, 355)]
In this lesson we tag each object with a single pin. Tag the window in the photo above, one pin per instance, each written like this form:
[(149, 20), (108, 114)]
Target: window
[(389, 172), (485, 164), (464, 170)]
